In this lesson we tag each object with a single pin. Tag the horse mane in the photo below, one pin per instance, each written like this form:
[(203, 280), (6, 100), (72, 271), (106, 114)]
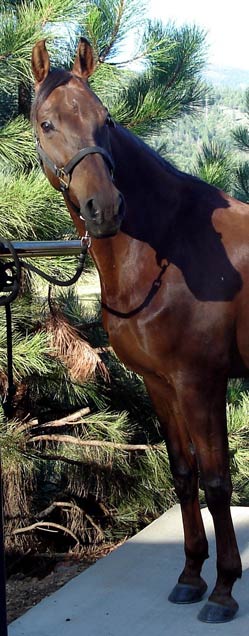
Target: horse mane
[(55, 78)]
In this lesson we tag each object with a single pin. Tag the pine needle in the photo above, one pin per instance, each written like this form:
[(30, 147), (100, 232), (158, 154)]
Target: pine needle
[(68, 345)]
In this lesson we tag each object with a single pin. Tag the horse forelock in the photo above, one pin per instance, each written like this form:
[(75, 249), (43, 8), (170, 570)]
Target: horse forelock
[(55, 78)]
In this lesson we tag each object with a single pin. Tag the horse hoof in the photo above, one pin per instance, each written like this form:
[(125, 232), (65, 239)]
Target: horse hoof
[(183, 593), (217, 613)]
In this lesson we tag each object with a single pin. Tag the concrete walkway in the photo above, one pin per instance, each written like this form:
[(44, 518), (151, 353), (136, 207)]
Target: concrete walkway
[(125, 594)]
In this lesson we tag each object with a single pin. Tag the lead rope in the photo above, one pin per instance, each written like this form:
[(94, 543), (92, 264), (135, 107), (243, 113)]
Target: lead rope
[(152, 292), (10, 282)]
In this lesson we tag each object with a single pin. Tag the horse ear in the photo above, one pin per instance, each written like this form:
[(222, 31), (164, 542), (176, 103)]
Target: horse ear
[(84, 64), (40, 62)]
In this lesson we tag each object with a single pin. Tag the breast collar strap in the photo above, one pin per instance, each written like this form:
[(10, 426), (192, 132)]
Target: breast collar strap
[(65, 172)]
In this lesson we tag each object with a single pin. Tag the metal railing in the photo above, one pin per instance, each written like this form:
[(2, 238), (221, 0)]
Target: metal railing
[(39, 249)]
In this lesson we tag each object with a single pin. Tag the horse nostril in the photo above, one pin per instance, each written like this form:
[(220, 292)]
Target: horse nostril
[(93, 210), (90, 206), (99, 210), (121, 206)]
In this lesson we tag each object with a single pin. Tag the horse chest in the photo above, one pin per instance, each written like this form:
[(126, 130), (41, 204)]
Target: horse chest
[(140, 343)]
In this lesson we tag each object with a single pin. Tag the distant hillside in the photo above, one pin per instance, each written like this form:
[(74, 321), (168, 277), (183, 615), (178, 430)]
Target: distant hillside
[(222, 112), (232, 77)]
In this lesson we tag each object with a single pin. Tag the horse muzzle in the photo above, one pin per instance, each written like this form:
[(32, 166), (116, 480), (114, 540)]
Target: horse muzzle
[(103, 221)]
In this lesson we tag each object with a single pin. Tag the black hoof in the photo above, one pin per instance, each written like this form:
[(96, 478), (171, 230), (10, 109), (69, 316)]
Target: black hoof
[(216, 613), (183, 593)]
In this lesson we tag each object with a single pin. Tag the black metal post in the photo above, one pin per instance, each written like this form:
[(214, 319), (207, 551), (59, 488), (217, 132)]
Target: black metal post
[(3, 611)]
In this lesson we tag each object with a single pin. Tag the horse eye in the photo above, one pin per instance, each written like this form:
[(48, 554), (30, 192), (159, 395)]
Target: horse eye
[(47, 126)]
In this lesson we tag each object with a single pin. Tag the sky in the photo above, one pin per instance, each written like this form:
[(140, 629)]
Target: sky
[(227, 24)]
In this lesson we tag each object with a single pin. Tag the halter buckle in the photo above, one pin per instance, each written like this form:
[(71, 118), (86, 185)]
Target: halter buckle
[(86, 240), (64, 178)]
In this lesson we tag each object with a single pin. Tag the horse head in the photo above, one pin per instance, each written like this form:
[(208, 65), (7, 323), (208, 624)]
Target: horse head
[(73, 140)]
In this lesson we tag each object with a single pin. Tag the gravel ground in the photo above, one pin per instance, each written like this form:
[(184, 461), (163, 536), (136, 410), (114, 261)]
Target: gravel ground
[(25, 591)]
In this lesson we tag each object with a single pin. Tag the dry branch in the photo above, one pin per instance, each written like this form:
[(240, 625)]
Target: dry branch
[(63, 421), (46, 524), (69, 439), (72, 506), (58, 504)]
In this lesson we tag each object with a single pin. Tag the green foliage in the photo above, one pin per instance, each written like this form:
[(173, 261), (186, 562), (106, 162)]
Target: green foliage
[(183, 139), (29, 208), (17, 149), (19, 32), (30, 354), (215, 165), (106, 25), (241, 139), (21, 26), (132, 487), (170, 84), (235, 389), (204, 145), (237, 417), (13, 447), (242, 186)]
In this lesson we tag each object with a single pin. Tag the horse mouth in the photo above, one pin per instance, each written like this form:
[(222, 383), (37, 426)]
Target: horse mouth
[(107, 227), (103, 230), (100, 223)]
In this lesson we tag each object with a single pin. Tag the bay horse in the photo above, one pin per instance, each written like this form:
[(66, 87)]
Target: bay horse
[(173, 257)]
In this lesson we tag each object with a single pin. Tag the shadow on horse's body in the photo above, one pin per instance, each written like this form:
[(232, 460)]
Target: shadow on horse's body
[(175, 294)]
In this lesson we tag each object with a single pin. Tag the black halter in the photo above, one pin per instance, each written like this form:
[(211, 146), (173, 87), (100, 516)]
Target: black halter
[(64, 173)]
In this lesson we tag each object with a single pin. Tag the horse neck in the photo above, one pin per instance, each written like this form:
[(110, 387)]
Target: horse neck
[(152, 192), (145, 179)]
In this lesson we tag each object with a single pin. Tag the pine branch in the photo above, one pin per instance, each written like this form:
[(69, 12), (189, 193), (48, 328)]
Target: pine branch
[(114, 33), (107, 24), (39, 211), (242, 174), (17, 146), (241, 138)]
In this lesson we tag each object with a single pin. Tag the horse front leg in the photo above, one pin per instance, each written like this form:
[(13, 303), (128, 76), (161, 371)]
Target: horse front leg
[(203, 403), (190, 587)]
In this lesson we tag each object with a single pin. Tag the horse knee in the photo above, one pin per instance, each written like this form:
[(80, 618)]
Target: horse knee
[(185, 483), (218, 493)]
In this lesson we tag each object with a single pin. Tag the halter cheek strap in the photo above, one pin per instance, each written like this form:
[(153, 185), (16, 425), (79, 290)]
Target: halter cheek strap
[(65, 172)]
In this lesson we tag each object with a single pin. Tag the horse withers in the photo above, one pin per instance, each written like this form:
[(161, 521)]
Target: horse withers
[(173, 258)]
